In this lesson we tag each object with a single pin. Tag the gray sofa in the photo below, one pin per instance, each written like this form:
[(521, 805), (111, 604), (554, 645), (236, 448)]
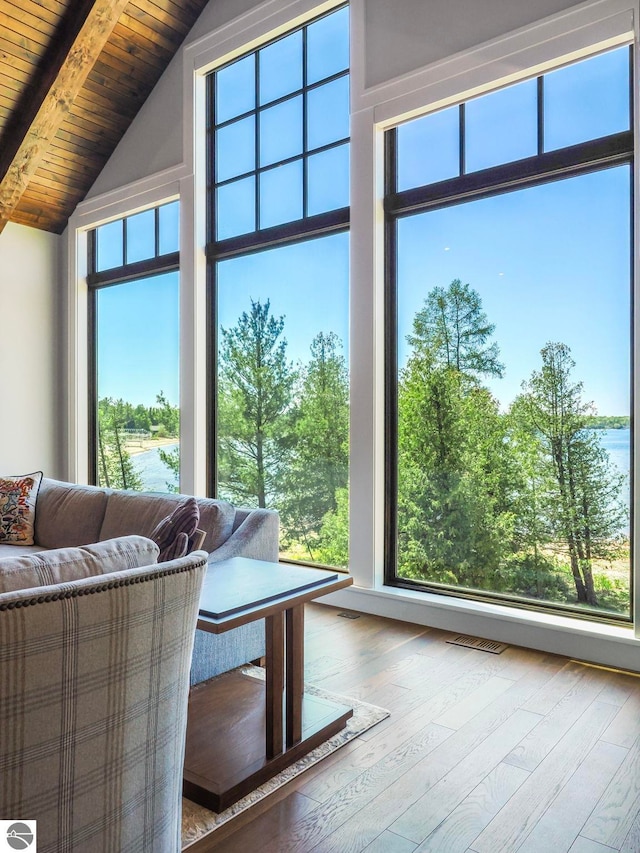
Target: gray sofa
[(69, 515)]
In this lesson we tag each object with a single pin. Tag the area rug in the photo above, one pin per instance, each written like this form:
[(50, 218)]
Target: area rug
[(198, 821)]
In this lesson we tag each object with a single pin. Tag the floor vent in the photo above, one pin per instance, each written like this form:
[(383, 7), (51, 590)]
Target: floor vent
[(476, 643), (349, 615)]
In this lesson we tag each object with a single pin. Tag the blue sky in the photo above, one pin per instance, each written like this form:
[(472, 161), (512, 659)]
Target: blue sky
[(138, 340), (550, 263), (307, 283)]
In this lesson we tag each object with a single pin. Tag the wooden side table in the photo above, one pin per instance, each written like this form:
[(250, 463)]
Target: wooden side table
[(241, 730)]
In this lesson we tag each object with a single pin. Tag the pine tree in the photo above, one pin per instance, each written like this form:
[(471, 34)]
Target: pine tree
[(115, 468), (585, 511), (454, 471), (319, 464), (255, 408)]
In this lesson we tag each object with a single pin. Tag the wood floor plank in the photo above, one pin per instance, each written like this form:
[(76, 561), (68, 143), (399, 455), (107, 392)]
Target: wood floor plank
[(616, 687), (306, 834), (422, 818), (584, 845), (518, 661), (623, 730), (619, 805), (267, 825), (562, 821), (553, 692), (631, 844), (397, 665), (516, 821), (467, 708), (380, 813), (383, 740), (389, 842), (475, 812), (554, 725)]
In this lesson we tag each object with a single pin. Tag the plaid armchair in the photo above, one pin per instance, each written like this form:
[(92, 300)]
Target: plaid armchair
[(94, 680)]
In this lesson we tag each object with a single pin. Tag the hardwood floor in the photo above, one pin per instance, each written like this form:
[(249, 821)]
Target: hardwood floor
[(482, 753)]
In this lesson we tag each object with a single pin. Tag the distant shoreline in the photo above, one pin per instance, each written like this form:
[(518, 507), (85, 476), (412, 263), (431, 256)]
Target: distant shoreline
[(600, 422), (147, 444)]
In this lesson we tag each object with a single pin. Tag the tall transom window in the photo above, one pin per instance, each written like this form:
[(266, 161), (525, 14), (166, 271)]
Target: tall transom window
[(134, 321), (278, 164)]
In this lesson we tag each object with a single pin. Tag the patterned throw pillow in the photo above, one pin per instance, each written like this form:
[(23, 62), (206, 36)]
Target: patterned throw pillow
[(18, 508), (173, 533)]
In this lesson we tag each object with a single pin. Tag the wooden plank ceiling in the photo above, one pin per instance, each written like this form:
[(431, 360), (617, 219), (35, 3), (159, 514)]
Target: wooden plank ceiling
[(73, 75)]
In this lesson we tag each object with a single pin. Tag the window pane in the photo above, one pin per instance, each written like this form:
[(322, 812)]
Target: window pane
[(138, 384), (235, 149), (281, 194), (109, 246), (501, 127), (328, 46), (328, 113), (587, 99), (281, 131), (169, 228), (283, 406), (141, 236), (235, 208), (513, 314), (429, 149), (328, 180), (281, 68), (235, 89)]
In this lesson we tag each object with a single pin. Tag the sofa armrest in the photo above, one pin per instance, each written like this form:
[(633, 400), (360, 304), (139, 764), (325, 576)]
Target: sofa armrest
[(256, 537)]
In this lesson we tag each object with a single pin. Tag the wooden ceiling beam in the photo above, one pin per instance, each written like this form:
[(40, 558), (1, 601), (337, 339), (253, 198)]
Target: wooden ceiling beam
[(77, 47)]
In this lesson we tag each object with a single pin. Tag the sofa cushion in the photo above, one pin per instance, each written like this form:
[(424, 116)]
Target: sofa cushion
[(136, 512), (68, 564), (19, 550), (69, 514), (18, 508)]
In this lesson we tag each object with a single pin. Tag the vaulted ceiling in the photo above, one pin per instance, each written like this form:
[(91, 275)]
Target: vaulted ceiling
[(73, 75)]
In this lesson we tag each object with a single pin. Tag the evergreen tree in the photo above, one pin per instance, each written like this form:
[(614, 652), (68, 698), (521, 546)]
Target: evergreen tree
[(334, 533), (115, 468), (320, 456), (584, 510), (454, 471), (255, 414), (452, 331), (165, 416)]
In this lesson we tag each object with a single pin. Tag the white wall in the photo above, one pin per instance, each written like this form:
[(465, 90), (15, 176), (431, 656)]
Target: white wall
[(30, 351), (404, 35)]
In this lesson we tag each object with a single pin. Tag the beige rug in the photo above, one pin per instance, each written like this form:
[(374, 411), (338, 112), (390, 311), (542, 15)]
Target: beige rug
[(198, 821)]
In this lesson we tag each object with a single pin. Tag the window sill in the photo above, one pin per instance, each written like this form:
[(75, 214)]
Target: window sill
[(607, 645)]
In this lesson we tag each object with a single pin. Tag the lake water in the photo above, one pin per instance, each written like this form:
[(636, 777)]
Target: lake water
[(617, 443), (155, 474)]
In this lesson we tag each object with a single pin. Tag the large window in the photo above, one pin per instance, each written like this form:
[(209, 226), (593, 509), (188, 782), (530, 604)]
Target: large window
[(509, 317), (278, 259), (134, 283)]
